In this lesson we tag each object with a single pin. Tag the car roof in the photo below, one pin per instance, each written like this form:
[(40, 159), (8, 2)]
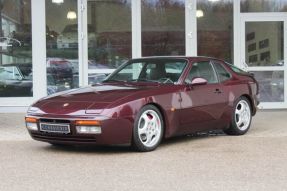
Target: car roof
[(191, 58)]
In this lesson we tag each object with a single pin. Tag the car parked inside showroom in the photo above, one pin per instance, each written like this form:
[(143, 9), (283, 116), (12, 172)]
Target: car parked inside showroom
[(147, 100), (15, 80), (68, 39)]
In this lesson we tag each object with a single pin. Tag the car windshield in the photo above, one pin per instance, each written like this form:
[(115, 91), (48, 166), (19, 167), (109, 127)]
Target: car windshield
[(152, 70)]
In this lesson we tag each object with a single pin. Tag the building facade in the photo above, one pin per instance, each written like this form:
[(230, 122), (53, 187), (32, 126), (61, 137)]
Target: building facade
[(48, 46)]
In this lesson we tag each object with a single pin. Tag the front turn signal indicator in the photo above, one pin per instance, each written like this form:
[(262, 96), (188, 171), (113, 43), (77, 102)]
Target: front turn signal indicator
[(87, 123), (30, 120)]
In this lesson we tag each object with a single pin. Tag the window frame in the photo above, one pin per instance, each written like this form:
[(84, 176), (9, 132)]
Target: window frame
[(153, 59)]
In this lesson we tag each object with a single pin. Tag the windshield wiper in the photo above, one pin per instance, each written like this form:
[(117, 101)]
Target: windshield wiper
[(146, 80), (142, 80)]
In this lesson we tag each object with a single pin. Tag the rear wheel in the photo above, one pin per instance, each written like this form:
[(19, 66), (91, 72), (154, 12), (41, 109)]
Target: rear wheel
[(148, 129), (241, 119)]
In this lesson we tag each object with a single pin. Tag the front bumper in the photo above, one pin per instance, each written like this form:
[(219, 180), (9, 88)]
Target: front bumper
[(255, 104), (114, 131)]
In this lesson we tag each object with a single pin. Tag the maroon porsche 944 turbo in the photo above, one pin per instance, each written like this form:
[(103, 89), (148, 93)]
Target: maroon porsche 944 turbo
[(146, 100)]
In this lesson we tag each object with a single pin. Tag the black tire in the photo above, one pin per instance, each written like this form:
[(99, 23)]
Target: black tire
[(137, 140), (234, 128)]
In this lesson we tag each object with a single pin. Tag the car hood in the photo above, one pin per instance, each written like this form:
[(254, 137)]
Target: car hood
[(85, 100)]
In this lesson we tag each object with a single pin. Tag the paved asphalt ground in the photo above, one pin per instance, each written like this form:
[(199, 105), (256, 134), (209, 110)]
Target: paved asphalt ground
[(256, 161)]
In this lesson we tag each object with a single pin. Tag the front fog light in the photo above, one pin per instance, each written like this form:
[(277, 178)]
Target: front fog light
[(32, 126), (89, 129)]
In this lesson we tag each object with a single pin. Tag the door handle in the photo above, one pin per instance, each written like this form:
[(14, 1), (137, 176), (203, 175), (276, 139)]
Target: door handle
[(217, 91)]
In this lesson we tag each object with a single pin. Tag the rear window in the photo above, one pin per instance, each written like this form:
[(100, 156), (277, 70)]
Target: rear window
[(236, 70), (221, 72)]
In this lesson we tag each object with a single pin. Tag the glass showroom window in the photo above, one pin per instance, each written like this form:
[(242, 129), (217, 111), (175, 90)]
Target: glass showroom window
[(215, 29), (15, 49), (264, 43), (163, 27), (271, 85), (109, 37), (264, 48), (263, 5), (62, 45)]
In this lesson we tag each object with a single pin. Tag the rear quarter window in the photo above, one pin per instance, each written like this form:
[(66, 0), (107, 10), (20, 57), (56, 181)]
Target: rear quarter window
[(236, 70), (222, 73)]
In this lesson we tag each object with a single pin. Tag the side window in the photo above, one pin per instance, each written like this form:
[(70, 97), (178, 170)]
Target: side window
[(235, 69), (167, 70), (174, 70), (202, 70), (222, 72)]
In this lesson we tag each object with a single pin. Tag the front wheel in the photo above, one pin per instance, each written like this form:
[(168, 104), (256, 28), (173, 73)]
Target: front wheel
[(241, 119), (148, 129)]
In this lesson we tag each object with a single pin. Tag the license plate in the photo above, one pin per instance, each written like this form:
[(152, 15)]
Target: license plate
[(55, 128)]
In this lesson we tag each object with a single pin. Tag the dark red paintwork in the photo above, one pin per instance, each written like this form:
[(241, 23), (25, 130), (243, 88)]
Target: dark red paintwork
[(185, 108)]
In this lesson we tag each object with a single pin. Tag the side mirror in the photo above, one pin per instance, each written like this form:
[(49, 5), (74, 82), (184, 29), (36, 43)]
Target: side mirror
[(198, 81)]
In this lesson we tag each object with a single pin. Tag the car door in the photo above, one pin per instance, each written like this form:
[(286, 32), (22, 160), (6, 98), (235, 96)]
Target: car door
[(202, 105), (225, 82)]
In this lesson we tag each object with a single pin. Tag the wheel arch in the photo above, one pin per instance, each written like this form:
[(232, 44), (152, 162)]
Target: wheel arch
[(136, 143), (163, 115), (253, 109)]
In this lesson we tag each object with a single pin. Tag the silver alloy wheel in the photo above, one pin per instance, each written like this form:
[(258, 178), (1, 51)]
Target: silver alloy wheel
[(149, 128), (242, 115)]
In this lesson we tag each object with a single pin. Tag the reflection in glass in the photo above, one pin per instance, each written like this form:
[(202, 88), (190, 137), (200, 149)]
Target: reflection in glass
[(271, 85), (215, 29), (62, 46), (264, 43), (163, 27), (263, 5), (109, 36), (15, 49)]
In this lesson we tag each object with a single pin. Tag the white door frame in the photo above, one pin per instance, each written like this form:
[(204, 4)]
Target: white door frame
[(264, 17)]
